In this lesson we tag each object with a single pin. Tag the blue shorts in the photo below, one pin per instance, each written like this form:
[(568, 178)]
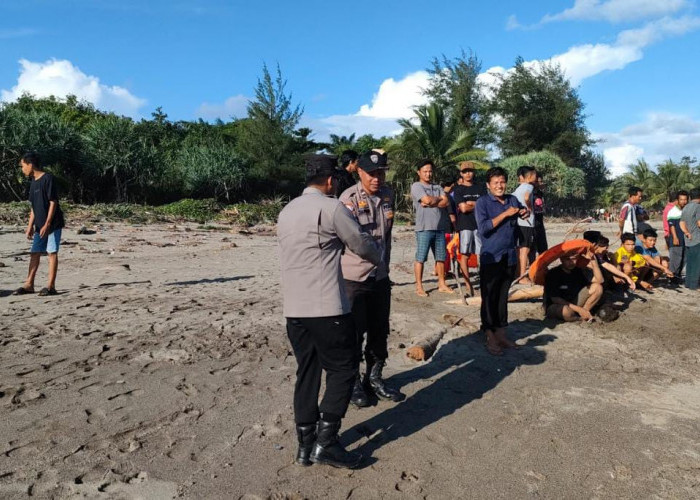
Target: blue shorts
[(49, 244), (431, 240)]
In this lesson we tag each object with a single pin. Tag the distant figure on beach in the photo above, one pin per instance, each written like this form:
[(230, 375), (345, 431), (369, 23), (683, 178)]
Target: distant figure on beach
[(348, 169), (690, 225), (496, 215), (371, 203), (570, 292), (45, 223), (429, 202), (313, 231)]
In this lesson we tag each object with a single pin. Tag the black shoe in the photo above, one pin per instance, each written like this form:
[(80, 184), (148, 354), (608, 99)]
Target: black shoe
[(378, 385), (329, 451), (359, 396), (306, 434)]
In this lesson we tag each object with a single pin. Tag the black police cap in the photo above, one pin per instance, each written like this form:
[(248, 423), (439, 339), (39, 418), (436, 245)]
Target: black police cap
[(318, 165), (373, 160)]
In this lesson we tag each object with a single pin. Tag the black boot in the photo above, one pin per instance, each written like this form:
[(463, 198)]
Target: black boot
[(359, 396), (378, 385), (328, 449), (306, 434)]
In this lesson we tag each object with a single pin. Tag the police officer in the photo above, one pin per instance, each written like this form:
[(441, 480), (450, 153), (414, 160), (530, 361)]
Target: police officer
[(313, 230), (371, 202)]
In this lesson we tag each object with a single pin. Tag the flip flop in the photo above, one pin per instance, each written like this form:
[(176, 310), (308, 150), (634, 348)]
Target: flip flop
[(22, 291), (44, 292)]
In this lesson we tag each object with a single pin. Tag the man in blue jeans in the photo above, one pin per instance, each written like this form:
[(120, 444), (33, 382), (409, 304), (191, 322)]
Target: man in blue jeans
[(429, 202), (45, 223)]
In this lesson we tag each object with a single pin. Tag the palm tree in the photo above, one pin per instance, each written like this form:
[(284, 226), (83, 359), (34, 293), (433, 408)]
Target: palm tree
[(340, 143), (432, 135)]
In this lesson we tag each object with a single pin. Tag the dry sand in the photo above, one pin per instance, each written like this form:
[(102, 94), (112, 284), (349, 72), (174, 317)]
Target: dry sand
[(163, 370)]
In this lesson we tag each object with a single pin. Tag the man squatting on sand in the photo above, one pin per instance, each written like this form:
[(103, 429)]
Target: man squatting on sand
[(313, 230), (371, 203)]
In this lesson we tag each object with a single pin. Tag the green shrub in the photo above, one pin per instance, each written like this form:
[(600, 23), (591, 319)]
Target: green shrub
[(192, 210)]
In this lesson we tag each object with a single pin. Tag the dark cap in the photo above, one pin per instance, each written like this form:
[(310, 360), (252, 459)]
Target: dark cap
[(642, 226), (373, 160), (318, 165)]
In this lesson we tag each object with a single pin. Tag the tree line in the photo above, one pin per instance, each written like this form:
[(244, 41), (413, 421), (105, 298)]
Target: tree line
[(532, 115)]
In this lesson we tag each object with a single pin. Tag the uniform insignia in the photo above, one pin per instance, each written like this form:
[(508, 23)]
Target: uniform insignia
[(387, 199), (374, 158), (362, 204)]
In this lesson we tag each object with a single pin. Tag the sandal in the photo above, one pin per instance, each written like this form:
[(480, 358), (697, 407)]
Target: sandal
[(22, 291), (44, 292)]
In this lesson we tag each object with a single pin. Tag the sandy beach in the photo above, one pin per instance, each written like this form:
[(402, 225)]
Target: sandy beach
[(162, 370)]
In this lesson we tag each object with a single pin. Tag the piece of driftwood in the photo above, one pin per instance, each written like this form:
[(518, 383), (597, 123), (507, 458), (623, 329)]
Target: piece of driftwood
[(423, 349), (531, 292)]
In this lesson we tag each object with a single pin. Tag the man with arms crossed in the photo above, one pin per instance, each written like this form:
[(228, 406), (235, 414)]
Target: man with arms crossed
[(313, 231), (429, 201)]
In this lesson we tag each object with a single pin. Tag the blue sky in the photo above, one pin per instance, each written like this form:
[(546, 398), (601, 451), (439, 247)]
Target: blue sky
[(358, 66)]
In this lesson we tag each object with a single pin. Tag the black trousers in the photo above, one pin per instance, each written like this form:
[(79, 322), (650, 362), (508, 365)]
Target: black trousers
[(540, 235), (371, 306), (495, 282), (328, 344)]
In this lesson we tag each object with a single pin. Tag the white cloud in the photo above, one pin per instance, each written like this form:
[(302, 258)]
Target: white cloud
[(617, 11), (584, 61), (17, 33), (659, 137), (396, 99), (235, 106), (61, 78), (393, 100)]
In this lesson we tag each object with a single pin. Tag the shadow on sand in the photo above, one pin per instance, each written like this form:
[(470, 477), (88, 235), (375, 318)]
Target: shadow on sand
[(461, 371)]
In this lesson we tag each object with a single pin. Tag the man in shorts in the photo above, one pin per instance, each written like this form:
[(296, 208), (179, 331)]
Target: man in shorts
[(45, 223), (570, 292), (466, 194), (526, 227), (429, 202)]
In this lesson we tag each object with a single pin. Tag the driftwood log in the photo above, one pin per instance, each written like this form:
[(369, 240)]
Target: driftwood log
[(532, 292), (425, 348)]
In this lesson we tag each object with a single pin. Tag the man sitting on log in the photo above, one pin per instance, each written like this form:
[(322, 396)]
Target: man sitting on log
[(570, 292)]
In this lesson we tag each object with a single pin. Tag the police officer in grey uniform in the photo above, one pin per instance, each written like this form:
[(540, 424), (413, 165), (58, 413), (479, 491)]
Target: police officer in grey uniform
[(371, 202), (313, 231)]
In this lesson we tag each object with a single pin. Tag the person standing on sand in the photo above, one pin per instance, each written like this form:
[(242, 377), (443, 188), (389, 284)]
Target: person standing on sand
[(429, 201), (496, 215), (466, 194), (313, 231), (527, 176), (371, 202), (690, 225), (631, 212), (45, 223)]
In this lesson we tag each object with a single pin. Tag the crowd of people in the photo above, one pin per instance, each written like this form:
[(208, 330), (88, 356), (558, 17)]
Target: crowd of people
[(335, 253)]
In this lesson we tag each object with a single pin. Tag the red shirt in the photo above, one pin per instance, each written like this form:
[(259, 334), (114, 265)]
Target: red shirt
[(667, 209)]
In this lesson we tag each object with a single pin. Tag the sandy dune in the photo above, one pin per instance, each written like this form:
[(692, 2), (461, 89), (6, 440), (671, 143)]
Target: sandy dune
[(163, 370)]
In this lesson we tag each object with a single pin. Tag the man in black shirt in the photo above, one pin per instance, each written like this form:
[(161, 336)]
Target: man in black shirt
[(348, 167), (465, 196), (569, 291), (45, 223)]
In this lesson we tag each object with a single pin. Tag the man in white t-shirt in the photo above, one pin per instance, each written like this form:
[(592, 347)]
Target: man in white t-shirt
[(631, 212), (526, 227)]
